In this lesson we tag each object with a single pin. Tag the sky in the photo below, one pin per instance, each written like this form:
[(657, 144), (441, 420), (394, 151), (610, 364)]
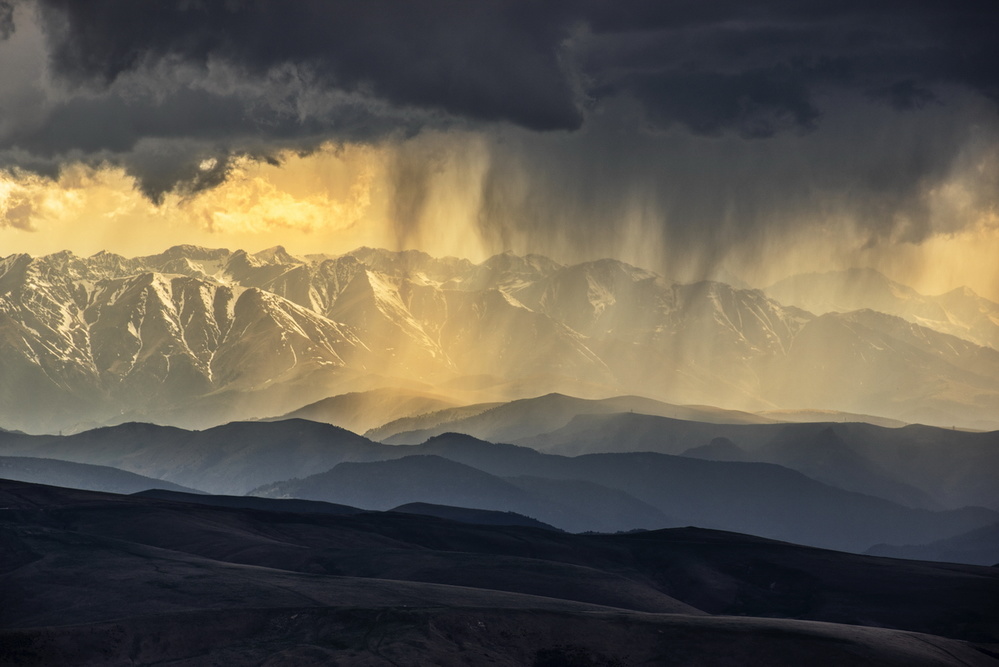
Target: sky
[(728, 140)]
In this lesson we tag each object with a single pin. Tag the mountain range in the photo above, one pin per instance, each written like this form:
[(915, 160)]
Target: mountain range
[(825, 485), (197, 337), (960, 311)]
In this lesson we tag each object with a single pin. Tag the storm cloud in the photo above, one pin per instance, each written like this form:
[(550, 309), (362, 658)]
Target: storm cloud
[(707, 66), (711, 120)]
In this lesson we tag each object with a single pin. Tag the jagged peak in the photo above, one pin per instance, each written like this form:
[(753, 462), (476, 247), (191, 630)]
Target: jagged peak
[(383, 253), (241, 258), (857, 277), (16, 258), (188, 251), (510, 261), (963, 291), (61, 258), (609, 266), (409, 257), (62, 254), (277, 255), (101, 254)]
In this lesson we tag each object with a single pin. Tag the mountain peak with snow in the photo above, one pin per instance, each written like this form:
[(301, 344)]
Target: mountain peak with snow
[(195, 336)]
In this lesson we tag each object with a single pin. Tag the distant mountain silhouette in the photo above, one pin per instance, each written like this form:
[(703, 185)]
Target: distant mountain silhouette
[(468, 515), (230, 459), (434, 480), (361, 411), (759, 498), (719, 449), (976, 547), (604, 492), (919, 466), (81, 476), (509, 422)]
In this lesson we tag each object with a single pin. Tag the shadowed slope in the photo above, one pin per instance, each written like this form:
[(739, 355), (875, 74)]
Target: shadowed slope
[(363, 410), (92, 576), (648, 490), (759, 498), (921, 466), (976, 547), (469, 515), (568, 504), (229, 459), (509, 422), (81, 476), (251, 502)]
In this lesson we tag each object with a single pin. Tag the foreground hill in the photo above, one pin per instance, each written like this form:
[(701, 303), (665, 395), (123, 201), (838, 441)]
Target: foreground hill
[(152, 581), (469, 515), (297, 506)]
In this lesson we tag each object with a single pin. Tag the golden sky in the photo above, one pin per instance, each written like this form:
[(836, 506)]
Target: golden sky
[(345, 196), (331, 201)]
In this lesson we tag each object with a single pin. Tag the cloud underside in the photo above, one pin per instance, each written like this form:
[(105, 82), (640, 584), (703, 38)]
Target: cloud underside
[(681, 122)]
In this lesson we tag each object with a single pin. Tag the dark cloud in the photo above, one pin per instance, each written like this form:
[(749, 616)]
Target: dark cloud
[(718, 66), (485, 60), (711, 66), (756, 104), (6, 19), (686, 199), (904, 95), (255, 77), (753, 106)]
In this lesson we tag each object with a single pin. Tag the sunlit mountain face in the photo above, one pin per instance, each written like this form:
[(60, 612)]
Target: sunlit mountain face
[(414, 292), (198, 337)]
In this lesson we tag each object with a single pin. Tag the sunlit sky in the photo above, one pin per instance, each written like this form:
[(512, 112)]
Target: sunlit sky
[(722, 145)]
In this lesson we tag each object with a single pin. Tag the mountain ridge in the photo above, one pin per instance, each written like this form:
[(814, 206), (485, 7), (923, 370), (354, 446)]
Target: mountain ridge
[(198, 337), (606, 492), (960, 311)]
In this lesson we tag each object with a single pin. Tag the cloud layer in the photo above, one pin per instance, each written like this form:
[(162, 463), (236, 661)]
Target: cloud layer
[(678, 125)]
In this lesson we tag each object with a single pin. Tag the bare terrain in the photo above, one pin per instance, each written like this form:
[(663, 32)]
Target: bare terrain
[(94, 579)]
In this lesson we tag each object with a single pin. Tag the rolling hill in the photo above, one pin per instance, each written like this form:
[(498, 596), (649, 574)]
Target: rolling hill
[(91, 578)]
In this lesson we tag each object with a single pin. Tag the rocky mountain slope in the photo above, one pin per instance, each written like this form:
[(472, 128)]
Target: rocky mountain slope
[(960, 312), (197, 337)]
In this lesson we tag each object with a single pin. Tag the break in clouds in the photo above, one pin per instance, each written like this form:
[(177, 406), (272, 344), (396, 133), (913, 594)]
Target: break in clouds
[(673, 123)]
